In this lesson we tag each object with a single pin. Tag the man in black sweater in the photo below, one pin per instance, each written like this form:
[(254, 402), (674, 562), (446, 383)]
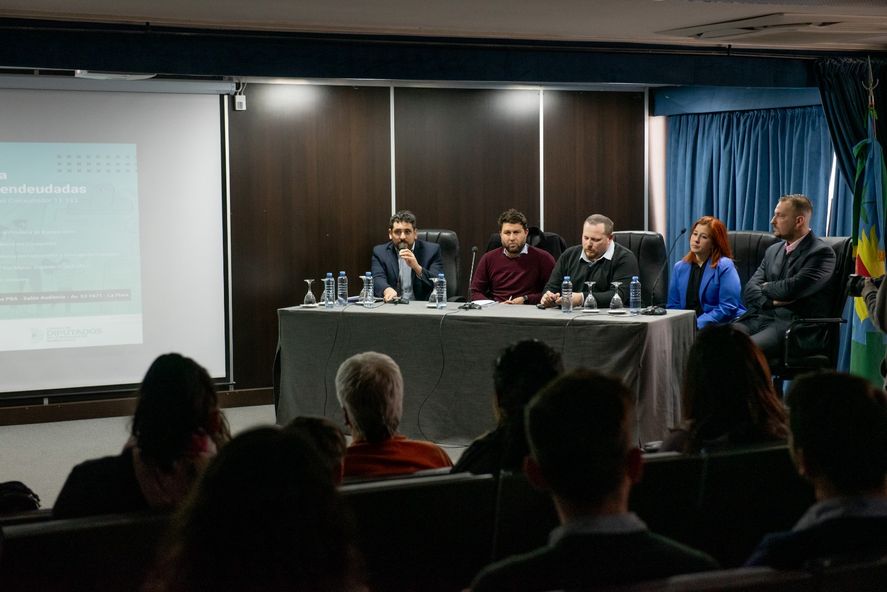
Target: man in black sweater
[(579, 430), (600, 259)]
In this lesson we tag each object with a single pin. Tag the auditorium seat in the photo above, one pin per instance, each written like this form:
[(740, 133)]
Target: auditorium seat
[(524, 516), (649, 248), (449, 253), (744, 579), (744, 495), (430, 533), (95, 554)]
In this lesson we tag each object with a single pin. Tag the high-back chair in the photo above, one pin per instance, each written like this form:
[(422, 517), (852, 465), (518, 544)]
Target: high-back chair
[(536, 237), (649, 248), (449, 253), (748, 247)]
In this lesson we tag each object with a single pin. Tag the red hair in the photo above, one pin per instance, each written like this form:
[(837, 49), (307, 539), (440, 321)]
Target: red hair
[(719, 245)]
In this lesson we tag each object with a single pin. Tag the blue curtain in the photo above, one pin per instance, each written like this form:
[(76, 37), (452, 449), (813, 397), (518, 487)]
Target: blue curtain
[(735, 166)]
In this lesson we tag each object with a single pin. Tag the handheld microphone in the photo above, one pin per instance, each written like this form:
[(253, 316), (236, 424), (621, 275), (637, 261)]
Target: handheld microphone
[(655, 309), (469, 305)]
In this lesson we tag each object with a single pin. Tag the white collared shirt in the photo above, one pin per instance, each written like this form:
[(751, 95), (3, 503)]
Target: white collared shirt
[(608, 254), (523, 251), (860, 506), (625, 523)]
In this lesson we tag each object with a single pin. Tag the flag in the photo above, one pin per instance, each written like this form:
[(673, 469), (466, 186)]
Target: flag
[(867, 346)]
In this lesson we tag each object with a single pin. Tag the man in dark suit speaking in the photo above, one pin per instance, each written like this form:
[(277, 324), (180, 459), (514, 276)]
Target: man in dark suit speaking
[(404, 267), (793, 281)]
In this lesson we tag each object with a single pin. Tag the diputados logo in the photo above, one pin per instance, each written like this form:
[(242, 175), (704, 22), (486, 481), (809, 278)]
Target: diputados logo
[(70, 333)]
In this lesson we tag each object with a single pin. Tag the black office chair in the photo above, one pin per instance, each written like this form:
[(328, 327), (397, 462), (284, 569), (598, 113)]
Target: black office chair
[(748, 247), (449, 252), (649, 248), (812, 343), (536, 237)]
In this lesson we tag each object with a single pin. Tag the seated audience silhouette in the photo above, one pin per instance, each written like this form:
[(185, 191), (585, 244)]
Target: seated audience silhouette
[(327, 438), (728, 399), (520, 371), (580, 432), (369, 387), (176, 429), (263, 517), (839, 443)]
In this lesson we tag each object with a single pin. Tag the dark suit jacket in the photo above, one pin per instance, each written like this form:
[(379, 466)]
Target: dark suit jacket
[(844, 537), (590, 560), (386, 268), (806, 280)]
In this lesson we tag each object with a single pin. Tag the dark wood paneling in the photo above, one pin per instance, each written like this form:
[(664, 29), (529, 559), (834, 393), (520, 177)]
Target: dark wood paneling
[(310, 193), (594, 160), (464, 156)]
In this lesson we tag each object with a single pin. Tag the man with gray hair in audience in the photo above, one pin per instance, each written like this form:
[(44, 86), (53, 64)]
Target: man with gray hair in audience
[(369, 387)]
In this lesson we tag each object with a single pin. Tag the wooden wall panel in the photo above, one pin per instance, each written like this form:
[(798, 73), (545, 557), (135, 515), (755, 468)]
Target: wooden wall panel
[(464, 156), (310, 193), (594, 160)]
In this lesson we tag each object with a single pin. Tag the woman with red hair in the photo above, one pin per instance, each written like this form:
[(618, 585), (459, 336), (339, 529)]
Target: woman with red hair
[(706, 280)]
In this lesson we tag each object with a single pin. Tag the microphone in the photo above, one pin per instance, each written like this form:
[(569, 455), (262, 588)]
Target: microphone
[(655, 309), (469, 305)]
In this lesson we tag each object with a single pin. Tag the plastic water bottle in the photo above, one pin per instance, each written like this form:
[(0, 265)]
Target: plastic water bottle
[(342, 289), (329, 290), (567, 295), (371, 299), (440, 288), (634, 296)]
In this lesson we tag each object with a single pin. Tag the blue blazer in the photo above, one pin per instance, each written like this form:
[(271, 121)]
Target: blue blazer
[(386, 268), (719, 292)]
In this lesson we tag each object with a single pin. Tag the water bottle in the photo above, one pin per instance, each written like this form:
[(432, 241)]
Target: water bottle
[(329, 290), (634, 296), (440, 288), (342, 289), (567, 295), (371, 299)]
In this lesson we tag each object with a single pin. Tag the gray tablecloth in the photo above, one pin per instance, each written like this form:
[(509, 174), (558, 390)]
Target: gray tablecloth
[(447, 357)]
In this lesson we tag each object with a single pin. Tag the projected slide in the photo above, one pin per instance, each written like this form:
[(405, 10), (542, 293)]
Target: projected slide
[(69, 245)]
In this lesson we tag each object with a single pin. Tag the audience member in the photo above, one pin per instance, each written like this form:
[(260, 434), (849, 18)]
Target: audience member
[(369, 387), (327, 438), (793, 280), (600, 259), (264, 517), (515, 274), (580, 432), (405, 267), (176, 429), (839, 443), (520, 371), (728, 398), (705, 280)]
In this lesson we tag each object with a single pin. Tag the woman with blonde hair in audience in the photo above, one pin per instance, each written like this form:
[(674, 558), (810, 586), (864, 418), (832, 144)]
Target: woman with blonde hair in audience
[(176, 429), (265, 516), (728, 397), (705, 280)]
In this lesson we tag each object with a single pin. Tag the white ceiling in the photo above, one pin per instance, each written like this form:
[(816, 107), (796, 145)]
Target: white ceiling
[(788, 24)]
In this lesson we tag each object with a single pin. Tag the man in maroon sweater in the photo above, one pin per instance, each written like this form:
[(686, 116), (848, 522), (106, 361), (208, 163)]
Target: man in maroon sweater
[(516, 273)]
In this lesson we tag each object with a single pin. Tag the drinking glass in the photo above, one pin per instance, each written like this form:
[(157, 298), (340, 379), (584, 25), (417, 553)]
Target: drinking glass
[(616, 302), (590, 304), (309, 300)]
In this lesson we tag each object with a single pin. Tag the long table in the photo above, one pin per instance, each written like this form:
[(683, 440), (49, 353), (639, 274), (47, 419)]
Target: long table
[(446, 357)]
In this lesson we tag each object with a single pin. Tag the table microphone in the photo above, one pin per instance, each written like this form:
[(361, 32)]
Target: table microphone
[(469, 305), (654, 309)]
